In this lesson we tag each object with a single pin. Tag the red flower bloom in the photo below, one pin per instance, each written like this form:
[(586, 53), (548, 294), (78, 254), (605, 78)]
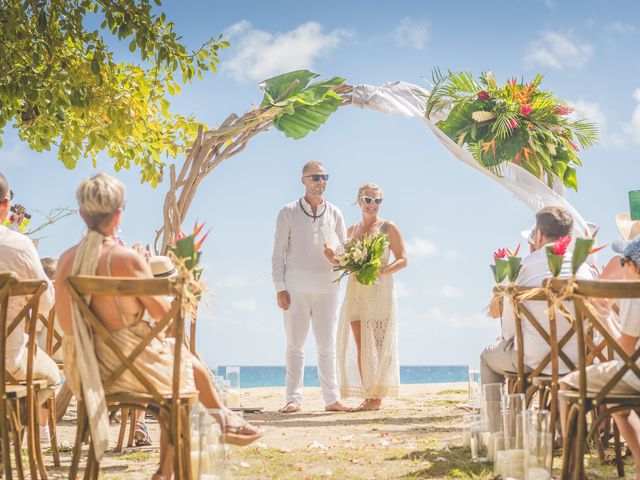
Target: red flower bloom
[(564, 110), (513, 123), (526, 109), (483, 95), (560, 246), (500, 253), (574, 146), (180, 235)]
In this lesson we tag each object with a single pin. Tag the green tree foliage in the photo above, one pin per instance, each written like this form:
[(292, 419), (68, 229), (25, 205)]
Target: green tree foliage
[(60, 85)]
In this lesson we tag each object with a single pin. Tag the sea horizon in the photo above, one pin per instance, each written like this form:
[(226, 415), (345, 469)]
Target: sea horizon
[(252, 376)]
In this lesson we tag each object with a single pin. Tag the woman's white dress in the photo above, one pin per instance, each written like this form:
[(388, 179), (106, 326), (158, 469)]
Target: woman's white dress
[(374, 306)]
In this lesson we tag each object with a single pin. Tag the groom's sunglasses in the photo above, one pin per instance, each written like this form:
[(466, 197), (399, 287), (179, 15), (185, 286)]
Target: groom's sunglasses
[(316, 177), (369, 200)]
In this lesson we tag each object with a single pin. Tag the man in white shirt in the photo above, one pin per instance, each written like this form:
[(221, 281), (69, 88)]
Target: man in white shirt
[(552, 223), (305, 285), (18, 255)]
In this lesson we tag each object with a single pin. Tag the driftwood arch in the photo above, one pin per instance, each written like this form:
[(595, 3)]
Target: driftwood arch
[(295, 106)]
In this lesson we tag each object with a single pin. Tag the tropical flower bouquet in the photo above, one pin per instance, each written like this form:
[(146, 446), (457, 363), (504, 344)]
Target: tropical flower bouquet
[(187, 249), (506, 264), (362, 258), (514, 122)]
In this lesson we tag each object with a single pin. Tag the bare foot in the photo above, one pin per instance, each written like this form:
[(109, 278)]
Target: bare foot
[(290, 407), (371, 404), (338, 407), (158, 476)]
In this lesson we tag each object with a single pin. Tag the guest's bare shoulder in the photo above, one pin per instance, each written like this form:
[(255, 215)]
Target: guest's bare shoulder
[(126, 262), (388, 226), (65, 263)]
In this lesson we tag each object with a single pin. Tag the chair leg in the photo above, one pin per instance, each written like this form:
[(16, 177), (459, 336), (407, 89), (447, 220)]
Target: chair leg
[(186, 443), (4, 438), (53, 427), (597, 439), (124, 416), (568, 443), (581, 440), (81, 431), (38, 446), (17, 446), (132, 426), (618, 449), (31, 436)]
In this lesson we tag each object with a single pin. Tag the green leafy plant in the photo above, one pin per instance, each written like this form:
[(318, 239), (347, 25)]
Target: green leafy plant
[(506, 264), (363, 258), (515, 122), (582, 249), (62, 88), (304, 106)]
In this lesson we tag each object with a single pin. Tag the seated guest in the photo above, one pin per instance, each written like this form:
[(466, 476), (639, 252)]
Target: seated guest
[(128, 319), (18, 255), (500, 357), (598, 375), (629, 229)]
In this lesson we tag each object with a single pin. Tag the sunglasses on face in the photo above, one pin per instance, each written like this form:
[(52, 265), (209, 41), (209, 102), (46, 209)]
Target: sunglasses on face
[(316, 177), (369, 200), (10, 196)]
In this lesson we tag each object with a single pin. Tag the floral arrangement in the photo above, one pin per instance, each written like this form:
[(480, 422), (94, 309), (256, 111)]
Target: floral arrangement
[(362, 258), (582, 249), (19, 219), (187, 249), (515, 122), (506, 264)]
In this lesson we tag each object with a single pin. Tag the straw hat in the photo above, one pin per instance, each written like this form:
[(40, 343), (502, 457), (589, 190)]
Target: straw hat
[(629, 229), (161, 266)]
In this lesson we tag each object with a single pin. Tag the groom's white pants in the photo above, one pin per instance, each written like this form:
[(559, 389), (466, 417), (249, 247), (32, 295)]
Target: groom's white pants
[(321, 311)]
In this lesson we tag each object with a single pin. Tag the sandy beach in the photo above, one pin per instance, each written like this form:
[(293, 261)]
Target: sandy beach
[(416, 435)]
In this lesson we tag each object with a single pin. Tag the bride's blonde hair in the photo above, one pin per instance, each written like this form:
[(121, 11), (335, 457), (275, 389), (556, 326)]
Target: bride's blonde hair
[(368, 186), (99, 198)]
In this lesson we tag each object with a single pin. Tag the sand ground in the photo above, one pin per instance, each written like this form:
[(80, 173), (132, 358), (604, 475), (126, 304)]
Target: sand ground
[(414, 436)]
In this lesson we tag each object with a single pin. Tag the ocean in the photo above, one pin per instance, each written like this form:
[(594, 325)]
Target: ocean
[(274, 376)]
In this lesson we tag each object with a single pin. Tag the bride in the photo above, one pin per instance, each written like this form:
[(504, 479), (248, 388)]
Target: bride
[(367, 346)]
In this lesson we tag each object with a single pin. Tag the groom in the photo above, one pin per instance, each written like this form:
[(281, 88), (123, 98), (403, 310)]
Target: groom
[(304, 281)]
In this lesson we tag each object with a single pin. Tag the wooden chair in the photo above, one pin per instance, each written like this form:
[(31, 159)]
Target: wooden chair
[(27, 405), (603, 402), (175, 405)]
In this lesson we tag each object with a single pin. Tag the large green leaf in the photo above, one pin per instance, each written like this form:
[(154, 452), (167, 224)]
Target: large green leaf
[(458, 119), (506, 151), (580, 252), (275, 87), (307, 118)]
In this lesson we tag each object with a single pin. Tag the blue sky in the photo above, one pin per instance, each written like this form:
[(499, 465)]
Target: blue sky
[(452, 218)]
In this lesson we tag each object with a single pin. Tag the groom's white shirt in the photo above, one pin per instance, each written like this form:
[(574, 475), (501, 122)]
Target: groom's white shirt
[(298, 261)]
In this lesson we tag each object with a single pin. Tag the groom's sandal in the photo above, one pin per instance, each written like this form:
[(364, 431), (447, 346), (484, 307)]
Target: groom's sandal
[(243, 434), (338, 407), (290, 407)]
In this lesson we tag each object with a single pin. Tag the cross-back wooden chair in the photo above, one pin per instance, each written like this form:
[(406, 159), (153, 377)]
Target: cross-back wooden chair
[(176, 404), (603, 402), (32, 290)]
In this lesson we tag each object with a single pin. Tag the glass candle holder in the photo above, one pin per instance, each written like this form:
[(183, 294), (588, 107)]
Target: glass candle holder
[(233, 394)]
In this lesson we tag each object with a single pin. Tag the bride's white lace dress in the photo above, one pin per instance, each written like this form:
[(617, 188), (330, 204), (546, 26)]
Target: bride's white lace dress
[(374, 306)]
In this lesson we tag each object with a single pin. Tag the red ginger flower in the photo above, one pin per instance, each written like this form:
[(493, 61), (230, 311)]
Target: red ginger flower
[(560, 245), (526, 109), (483, 95), (564, 109), (574, 146), (513, 123), (500, 253)]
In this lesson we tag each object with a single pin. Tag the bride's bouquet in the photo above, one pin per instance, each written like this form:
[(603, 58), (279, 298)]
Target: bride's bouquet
[(363, 258)]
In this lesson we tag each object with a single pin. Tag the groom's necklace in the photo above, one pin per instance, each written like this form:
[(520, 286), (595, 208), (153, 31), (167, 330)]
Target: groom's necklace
[(311, 214)]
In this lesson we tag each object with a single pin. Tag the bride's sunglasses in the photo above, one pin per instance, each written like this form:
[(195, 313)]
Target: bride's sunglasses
[(369, 200)]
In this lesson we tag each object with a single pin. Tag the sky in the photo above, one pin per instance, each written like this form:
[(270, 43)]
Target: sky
[(451, 217)]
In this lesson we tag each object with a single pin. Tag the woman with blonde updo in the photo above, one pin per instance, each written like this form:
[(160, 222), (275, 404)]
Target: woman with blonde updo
[(101, 200), (367, 346)]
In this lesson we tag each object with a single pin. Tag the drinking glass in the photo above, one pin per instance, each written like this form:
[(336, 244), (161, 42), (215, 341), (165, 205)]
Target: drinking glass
[(215, 446), (536, 421), (468, 419), (233, 394), (496, 444), (513, 406)]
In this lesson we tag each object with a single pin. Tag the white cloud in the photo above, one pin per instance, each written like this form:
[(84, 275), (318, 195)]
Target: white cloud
[(259, 55), (449, 291), (557, 50), (410, 33), (236, 281), (621, 28), (245, 305), (633, 127), (421, 247)]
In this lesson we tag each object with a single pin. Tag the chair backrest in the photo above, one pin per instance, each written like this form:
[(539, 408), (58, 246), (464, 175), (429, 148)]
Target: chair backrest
[(584, 310), (519, 298), (53, 342), (81, 288), (10, 287)]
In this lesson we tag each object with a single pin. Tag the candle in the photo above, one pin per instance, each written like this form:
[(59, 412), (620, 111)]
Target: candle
[(233, 398)]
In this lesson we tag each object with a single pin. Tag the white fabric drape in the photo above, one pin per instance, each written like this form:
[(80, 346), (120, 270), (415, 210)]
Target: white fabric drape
[(409, 100)]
